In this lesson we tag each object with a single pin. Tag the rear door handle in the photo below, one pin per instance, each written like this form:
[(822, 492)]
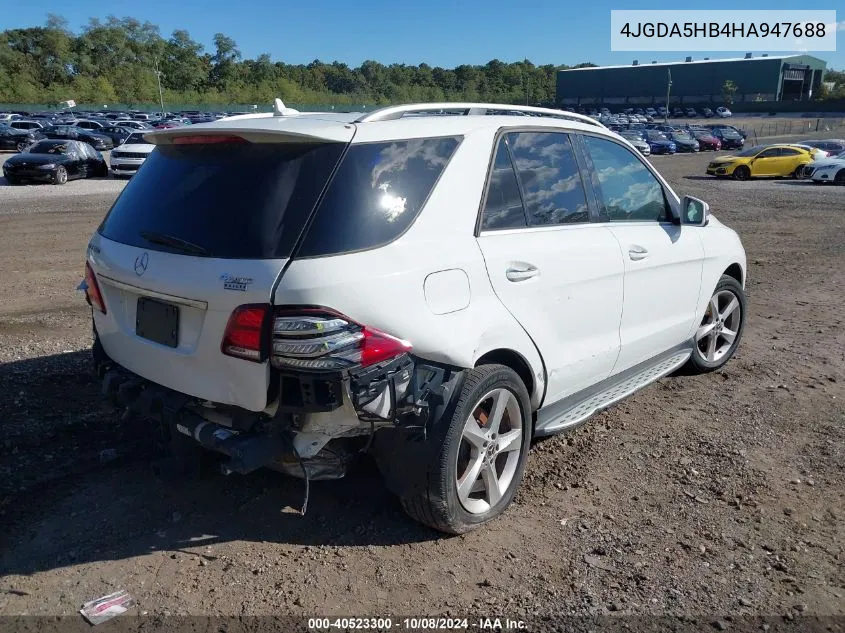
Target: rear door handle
[(521, 273), (637, 252)]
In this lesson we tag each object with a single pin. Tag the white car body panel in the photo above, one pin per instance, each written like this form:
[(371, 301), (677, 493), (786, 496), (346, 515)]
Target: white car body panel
[(196, 366), (572, 307), (662, 287)]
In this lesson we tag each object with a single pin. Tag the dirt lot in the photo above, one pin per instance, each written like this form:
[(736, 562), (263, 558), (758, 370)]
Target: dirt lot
[(718, 497)]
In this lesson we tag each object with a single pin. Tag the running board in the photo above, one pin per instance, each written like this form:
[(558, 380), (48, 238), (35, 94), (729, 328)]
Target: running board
[(577, 408)]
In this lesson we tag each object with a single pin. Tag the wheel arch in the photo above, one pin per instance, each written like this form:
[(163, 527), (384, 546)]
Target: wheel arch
[(735, 271), (515, 361)]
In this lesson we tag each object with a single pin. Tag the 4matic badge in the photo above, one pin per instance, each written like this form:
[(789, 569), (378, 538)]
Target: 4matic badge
[(231, 282)]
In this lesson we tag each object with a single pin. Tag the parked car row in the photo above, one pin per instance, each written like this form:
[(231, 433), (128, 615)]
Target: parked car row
[(653, 113), (656, 138)]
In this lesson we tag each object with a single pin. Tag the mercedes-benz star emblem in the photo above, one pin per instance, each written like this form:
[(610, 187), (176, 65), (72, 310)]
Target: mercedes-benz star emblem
[(141, 263)]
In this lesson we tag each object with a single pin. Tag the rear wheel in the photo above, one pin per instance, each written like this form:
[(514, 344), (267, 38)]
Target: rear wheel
[(718, 335), (742, 173), (798, 171), (22, 145), (481, 461), (60, 177)]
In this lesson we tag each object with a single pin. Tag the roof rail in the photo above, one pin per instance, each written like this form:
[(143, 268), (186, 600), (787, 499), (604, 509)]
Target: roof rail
[(391, 113)]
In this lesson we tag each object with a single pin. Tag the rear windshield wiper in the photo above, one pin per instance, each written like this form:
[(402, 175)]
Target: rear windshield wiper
[(173, 242)]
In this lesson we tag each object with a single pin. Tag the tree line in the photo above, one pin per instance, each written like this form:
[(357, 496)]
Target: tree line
[(117, 61)]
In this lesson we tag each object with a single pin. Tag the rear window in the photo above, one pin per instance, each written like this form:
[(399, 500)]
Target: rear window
[(235, 200), (253, 200), (376, 194)]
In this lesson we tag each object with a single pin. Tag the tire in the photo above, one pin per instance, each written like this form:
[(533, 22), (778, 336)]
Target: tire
[(21, 146), (707, 355), (839, 178), (798, 171), (440, 505), (12, 181), (742, 173), (60, 177)]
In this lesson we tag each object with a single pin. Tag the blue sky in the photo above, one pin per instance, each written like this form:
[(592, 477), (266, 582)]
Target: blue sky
[(439, 32)]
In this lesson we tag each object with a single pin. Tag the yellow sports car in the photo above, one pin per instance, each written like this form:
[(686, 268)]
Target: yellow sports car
[(762, 160)]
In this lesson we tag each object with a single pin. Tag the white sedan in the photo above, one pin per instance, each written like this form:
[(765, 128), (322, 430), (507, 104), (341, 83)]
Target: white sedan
[(723, 112), (827, 170), (126, 159)]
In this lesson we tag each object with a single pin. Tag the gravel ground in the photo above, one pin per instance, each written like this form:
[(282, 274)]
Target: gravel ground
[(715, 498)]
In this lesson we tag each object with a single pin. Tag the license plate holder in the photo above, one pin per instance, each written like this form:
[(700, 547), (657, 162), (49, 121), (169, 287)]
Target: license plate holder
[(157, 321)]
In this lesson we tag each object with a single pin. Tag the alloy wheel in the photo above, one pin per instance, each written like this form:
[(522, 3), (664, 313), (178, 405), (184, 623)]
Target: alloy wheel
[(720, 326), (489, 453)]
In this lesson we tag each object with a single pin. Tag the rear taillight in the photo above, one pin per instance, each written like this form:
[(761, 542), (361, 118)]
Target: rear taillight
[(92, 289), (245, 333), (320, 339)]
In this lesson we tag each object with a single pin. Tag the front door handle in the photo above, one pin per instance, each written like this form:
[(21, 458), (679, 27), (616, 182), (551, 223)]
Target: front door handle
[(521, 273), (637, 252)]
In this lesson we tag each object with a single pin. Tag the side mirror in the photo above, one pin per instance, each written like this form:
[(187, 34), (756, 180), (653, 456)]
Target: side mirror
[(694, 212)]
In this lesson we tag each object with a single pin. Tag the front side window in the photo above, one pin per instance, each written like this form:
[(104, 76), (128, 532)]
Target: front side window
[(503, 207), (629, 191), (768, 153), (376, 194), (549, 178)]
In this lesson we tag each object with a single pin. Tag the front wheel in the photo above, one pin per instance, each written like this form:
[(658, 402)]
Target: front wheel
[(60, 177), (742, 173), (477, 472), (839, 178), (717, 337), (21, 146)]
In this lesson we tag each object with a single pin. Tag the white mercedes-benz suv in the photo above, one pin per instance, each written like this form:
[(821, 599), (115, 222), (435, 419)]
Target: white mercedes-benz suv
[(432, 284)]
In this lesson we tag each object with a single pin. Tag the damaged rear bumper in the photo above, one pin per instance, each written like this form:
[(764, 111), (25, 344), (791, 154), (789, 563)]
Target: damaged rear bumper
[(317, 422)]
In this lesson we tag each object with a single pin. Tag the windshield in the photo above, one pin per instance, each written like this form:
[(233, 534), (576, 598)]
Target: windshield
[(684, 136), (632, 136), (49, 147), (654, 135), (135, 137), (728, 132)]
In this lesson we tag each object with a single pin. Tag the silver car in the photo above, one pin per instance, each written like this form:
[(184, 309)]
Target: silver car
[(635, 138)]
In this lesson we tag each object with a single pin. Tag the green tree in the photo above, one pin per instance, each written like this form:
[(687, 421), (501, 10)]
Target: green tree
[(113, 61), (729, 89)]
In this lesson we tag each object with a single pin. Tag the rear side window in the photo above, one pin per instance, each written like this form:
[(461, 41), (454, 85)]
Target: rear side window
[(503, 206), (549, 178), (376, 194), (234, 200)]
